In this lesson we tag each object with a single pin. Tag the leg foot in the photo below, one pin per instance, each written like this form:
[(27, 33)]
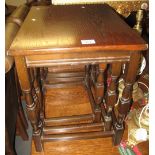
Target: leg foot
[(119, 130), (38, 142)]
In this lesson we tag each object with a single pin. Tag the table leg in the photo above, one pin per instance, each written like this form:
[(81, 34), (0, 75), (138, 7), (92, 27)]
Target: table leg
[(99, 90), (111, 95), (87, 75), (35, 76), (31, 103), (125, 101)]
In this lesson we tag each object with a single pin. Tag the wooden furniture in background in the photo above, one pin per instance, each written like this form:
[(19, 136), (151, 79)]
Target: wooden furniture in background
[(15, 121), (11, 110), (90, 35)]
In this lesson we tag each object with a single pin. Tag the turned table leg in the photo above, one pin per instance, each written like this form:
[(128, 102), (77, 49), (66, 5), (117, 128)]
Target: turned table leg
[(111, 95), (32, 105), (35, 79), (125, 101), (99, 90)]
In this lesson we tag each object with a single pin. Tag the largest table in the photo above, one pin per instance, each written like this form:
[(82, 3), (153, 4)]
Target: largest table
[(93, 35)]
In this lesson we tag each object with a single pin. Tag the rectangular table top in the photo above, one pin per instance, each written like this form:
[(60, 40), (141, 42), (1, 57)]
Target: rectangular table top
[(50, 29)]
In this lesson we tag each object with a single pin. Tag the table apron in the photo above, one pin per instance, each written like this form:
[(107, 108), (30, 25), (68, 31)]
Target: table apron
[(50, 60)]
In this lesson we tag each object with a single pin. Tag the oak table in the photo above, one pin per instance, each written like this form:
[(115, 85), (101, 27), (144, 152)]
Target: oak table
[(90, 35)]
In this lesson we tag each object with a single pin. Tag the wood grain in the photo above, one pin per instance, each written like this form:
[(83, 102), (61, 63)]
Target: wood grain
[(89, 127), (77, 136), (86, 56), (98, 146), (68, 120), (66, 68), (67, 102), (49, 29)]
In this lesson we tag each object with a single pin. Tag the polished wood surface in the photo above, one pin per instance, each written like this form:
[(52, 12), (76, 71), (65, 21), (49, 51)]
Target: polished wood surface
[(76, 58), (68, 120), (61, 29), (66, 69), (98, 146), (67, 102), (74, 128)]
